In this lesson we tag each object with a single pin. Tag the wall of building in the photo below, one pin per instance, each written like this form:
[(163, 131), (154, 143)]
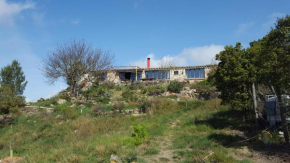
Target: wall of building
[(113, 76)]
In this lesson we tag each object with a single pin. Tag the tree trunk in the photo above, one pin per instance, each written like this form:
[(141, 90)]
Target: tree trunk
[(255, 106), (283, 117)]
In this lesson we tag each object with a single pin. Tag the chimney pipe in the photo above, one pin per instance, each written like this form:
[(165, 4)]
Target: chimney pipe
[(148, 62)]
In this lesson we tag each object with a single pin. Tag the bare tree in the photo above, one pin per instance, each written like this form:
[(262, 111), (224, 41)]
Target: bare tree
[(166, 63), (72, 60)]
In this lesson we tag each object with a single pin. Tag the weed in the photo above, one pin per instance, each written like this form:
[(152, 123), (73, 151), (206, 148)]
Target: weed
[(139, 133), (152, 151)]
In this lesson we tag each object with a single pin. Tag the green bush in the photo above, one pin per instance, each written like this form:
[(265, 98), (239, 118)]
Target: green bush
[(156, 90), (103, 100), (144, 89), (145, 106), (139, 133), (129, 95), (109, 85), (175, 86), (67, 111), (9, 102)]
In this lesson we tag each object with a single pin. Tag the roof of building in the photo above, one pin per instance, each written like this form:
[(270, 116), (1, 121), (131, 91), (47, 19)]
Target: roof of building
[(132, 68)]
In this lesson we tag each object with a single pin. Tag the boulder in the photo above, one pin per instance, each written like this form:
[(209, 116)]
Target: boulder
[(61, 101), (186, 88), (115, 159)]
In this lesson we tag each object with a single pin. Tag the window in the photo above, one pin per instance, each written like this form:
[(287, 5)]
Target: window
[(175, 72), (157, 74), (195, 73)]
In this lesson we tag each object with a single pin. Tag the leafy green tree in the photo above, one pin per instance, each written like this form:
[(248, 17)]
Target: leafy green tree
[(275, 61), (232, 77), (12, 85), (9, 102), (12, 76)]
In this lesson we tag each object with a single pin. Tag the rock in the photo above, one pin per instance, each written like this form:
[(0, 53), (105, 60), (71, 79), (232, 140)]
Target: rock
[(11, 159), (61, 101), (115, 159), (186, 88)]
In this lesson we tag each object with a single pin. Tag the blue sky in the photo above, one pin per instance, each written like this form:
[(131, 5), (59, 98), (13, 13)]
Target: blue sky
[(186, 32)]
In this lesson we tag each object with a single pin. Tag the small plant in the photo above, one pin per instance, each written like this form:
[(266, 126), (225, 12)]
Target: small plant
[(139, 133), (145, 106), (119, 105), (144, 89), (175, 86), (129, 95), (97, 109), (67, 111), (156, 90), (152, 151)]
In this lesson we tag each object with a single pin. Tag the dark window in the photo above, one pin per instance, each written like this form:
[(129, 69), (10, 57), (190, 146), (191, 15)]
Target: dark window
[(195, 73), (175, 72), (157, 74)]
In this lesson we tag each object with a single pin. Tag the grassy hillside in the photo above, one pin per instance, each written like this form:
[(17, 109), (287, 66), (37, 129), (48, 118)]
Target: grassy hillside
[(175, 133)]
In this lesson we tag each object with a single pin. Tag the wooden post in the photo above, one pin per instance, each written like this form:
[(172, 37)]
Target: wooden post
[(11, 151), (136, 73)]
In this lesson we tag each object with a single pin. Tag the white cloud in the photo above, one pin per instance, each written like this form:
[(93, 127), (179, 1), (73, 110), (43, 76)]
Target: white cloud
[(75, 21), (9, 10), (272, 20), (189, 56), (243, 28)]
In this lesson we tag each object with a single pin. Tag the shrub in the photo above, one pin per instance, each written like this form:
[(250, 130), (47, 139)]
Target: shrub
[(103, 100), (119, 105), (175, 86), (9, 102), (109, 85), (67, 111), (203, 86), (139, 133), (144, 89), (89, 104), (156, 90), (97, 109), (129, 95), (145, 106)]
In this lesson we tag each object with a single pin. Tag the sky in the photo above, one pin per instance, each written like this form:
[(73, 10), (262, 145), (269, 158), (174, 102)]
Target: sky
[(185, 32)]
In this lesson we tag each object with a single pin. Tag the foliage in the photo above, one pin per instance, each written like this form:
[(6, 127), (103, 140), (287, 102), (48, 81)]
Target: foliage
[(13, 77), (145, 106), (46, 102), (104, 100), (175, 86), (129, 95), (97, 108), (119, 105), (12, 85), (139, 133), (154, 90), (109, 85), (67, 111), (9, 102), (232, 77), (202, 86)]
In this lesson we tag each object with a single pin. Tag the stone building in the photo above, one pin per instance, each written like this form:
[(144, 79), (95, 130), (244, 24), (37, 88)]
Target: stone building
[(180, 73)]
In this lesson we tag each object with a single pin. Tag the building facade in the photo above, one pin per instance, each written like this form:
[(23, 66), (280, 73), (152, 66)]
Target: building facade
[(183, 73)]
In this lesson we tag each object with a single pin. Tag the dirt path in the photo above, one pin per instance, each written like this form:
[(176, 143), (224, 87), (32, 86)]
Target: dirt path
[(165, 145)]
